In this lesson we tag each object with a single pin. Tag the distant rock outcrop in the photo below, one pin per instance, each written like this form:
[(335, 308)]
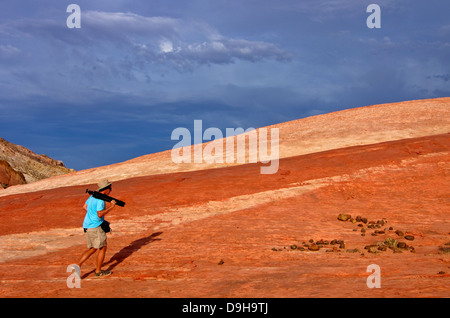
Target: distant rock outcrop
[(19, 165)]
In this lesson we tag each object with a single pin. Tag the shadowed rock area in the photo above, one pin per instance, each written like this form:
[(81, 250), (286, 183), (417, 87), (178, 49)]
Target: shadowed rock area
[(9, 176), (354, 188)]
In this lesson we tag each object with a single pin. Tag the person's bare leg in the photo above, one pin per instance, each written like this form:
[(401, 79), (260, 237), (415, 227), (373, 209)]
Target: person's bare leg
[(100, 258), (86, 254)]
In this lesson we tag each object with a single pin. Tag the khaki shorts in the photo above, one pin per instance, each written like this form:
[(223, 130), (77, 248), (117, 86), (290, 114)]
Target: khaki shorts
[(95, 237)]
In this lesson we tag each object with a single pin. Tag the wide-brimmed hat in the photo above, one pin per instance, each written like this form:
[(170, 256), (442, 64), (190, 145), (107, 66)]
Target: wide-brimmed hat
[(103, 184)]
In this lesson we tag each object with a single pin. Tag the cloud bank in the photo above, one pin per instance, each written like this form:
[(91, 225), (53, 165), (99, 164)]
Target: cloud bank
[(152, 39)]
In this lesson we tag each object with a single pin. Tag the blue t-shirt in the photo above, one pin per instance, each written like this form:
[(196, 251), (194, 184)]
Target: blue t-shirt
[(91, 220)]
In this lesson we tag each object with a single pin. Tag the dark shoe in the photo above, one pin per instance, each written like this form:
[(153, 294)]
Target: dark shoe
[(103, 274)]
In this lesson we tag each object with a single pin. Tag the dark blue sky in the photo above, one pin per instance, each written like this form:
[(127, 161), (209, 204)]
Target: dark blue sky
[(115, 88)]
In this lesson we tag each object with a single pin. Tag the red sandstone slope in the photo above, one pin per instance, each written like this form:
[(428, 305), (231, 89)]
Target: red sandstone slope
[(230, 232), (352, 127)]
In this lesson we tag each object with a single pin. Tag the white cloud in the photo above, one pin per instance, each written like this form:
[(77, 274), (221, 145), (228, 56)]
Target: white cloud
[(182, 43), (7, 51), (445, 30), (156, 40), (166, 46), (118, 53), (227, 50), (129, 23)]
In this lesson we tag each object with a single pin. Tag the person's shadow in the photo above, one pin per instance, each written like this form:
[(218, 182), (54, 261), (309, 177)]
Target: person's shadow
[(125, 252), (134, 246)]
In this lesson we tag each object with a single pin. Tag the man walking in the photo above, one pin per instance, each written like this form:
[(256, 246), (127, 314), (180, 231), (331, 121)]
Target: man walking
[(95, 236)]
